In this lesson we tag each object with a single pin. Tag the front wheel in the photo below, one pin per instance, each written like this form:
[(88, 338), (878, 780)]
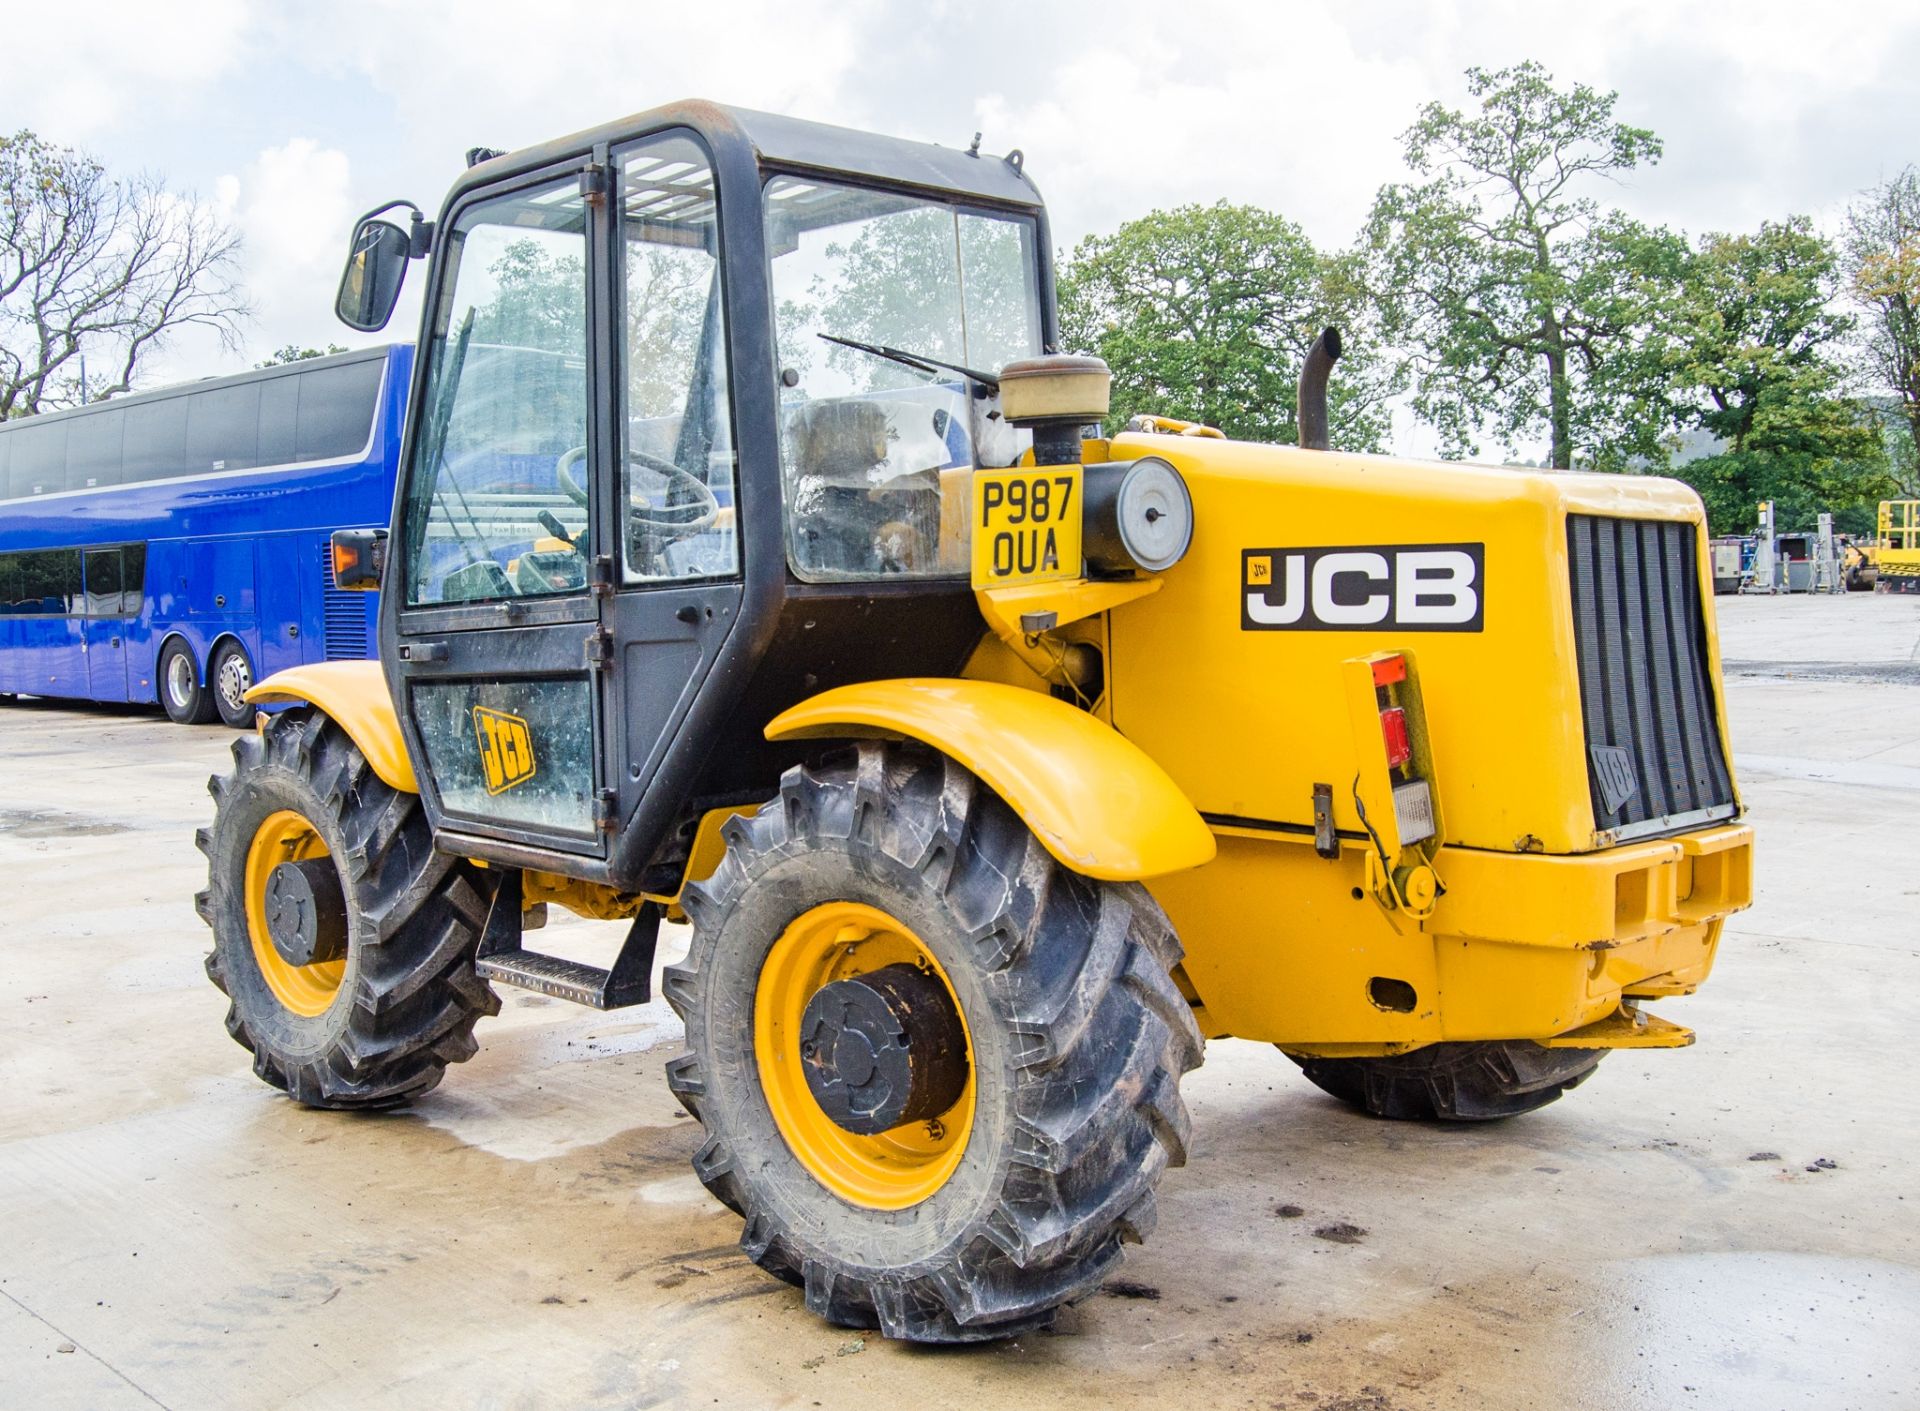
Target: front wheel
[(1454, 1082), (343, 940), (938, 1072)]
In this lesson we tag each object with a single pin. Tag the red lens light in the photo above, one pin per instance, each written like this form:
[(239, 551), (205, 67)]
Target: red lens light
[(1393, 727), (1389, 670)]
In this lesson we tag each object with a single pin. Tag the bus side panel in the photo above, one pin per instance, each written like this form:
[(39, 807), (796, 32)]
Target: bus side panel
[(106, 649), (51, 652), (286, 626)]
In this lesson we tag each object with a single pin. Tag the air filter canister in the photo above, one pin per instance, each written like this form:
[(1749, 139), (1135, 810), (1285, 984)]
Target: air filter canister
[(1139, 516)]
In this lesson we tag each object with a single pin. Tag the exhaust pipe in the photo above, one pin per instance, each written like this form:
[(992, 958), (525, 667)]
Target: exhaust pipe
[(1312, 416)]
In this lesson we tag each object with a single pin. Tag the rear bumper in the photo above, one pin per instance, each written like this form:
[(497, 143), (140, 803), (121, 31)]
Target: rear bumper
[(1522, 946)]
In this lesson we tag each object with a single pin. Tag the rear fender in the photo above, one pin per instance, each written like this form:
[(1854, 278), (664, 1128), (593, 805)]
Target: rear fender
[(1095, 800), (355, 694)]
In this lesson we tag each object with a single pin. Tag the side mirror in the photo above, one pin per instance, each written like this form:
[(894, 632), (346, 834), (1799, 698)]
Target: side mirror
[(376, 268)]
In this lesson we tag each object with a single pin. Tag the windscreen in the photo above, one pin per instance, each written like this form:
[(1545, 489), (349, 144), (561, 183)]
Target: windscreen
[(884, 305)]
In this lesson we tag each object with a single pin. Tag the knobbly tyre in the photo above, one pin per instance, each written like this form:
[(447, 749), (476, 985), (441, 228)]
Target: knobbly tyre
[(757, 561)]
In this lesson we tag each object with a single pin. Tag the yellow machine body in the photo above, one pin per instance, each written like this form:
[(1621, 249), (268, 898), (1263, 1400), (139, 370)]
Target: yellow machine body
[(1189, 760), (1544, 925)]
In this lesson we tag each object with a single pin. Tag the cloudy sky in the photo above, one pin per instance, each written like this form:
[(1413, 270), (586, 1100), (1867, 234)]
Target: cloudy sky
[(295, 117)]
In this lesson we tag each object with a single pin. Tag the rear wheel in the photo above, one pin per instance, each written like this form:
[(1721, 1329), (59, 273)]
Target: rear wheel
[(344, 942), (938, 1072), (187, 702), (1454, 1082), (230, 677)]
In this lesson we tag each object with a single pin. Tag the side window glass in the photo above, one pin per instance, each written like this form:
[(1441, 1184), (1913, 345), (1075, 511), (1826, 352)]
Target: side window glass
[(155, 446), (40, 459), (498, 489), (678, 453), (336, 410), (884, 305), (93, 449), (279, 397), (105, 586), (133, 579), (223, 428)]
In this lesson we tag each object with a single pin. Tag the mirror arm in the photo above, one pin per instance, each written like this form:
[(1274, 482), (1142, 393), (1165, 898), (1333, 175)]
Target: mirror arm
[(422, 233)]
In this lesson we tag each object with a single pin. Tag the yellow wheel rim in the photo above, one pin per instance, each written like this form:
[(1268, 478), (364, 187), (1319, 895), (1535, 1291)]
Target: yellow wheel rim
[(306, 990), (894, 1169)]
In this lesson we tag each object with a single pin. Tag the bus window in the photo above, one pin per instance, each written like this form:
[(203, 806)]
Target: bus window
[(104, 582), (336, 410), (6, 459), (39, 459), (156, 440), (94, 447), (223, 425), (40, 583), (133, 579), (279, 399)]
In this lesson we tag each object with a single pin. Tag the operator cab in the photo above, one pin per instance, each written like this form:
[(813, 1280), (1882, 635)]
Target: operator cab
[(700, 399)]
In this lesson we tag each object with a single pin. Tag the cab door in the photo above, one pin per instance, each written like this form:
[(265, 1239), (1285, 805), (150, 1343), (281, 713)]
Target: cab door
[(494, 625)]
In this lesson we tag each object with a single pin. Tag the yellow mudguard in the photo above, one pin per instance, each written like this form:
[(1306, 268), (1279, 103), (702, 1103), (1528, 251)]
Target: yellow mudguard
[(1095, 800), (355, 694)]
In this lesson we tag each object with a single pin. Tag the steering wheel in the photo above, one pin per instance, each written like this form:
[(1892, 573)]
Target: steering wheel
[(676, 520)]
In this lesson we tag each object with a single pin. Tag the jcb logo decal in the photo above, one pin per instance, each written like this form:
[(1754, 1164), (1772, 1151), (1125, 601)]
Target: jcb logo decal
[(506, 749), (1404, 587)]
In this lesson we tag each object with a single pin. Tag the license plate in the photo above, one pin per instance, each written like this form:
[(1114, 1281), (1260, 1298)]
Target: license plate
[(1026, 525), (1413, 811)]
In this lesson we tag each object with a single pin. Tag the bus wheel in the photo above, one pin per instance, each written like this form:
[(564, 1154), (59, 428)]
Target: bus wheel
[(938, 1072), (187, 702), (343, 940), (231, 678)]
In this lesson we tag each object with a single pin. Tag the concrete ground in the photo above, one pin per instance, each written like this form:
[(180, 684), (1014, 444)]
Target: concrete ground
[(1731, 1225)]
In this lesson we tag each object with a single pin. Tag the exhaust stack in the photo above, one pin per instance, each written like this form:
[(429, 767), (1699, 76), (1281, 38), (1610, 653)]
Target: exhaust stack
[(1312, 415)]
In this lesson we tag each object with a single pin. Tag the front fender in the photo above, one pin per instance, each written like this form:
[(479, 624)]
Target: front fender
[(1095, 799), (355, 694)]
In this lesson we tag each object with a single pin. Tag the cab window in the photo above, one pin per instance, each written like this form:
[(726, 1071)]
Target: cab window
[(677, 461), (884, 304), (498, 491)]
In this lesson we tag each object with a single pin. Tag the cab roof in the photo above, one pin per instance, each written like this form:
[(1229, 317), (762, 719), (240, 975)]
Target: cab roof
[(796, 145)]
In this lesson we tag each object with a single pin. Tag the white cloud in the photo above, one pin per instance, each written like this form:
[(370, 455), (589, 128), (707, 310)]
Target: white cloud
[(292, 207), (78, 73)]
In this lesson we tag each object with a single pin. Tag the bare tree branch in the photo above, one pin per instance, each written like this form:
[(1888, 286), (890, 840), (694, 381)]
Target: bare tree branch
[(95, 266)]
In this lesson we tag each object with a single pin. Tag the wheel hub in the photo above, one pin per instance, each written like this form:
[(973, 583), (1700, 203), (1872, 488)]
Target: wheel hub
[(307, 911), (883, 1049)]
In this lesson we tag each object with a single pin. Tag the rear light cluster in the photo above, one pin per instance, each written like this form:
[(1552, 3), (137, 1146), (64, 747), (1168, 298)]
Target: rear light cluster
[(1387, 672), (1396, 698)]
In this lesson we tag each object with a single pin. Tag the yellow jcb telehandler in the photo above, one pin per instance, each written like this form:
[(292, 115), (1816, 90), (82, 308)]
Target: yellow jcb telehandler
[(757, 561)]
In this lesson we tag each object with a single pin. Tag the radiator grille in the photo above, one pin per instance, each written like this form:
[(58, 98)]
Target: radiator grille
[(1654, 760), (343, 614)]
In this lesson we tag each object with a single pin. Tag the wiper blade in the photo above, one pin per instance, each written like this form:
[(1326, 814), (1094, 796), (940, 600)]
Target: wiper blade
[(918, 361)]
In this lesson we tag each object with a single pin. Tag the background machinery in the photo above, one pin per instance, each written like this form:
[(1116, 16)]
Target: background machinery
[(757, 561)]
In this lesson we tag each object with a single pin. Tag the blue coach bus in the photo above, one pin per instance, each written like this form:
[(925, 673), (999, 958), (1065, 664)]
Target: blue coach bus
[(172, 546)]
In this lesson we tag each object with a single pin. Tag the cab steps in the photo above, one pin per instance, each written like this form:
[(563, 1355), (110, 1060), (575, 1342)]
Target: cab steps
[(501, 957)]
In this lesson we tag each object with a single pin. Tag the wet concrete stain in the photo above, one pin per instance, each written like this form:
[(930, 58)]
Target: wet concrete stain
[(52, 823)]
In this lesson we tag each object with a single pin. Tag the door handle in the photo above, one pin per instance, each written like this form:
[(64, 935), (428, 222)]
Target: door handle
[(113, 641), (423, 651)]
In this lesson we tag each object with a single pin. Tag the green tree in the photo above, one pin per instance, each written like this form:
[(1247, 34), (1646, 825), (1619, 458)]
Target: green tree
[(1751, 345), (1880, 246), (1205, 313), (1518, 300), (294, 353), (101, 267)]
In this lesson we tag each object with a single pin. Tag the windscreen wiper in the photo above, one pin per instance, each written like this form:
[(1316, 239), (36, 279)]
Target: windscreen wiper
[(920, 362)]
